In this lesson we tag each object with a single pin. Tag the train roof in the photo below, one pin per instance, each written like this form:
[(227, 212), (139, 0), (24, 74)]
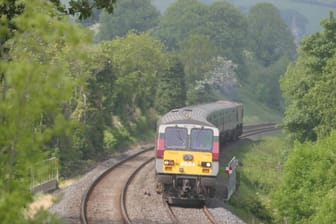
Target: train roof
[(195, 114)]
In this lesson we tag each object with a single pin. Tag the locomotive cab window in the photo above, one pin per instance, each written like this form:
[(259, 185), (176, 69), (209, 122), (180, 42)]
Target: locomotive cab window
[(201, 139), (176, 138)]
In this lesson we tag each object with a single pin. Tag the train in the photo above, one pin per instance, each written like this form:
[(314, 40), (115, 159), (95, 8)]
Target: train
[(187, 149)]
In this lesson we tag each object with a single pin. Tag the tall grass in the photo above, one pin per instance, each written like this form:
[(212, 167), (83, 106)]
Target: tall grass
[(260, 172)]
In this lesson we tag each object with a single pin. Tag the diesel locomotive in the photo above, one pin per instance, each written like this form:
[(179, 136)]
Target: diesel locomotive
[(187, 148)]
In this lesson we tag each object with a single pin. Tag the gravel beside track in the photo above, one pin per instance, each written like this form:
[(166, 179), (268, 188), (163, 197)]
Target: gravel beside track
[(190, 215), (221, 214), (104, 202), (144, 205), (68, 207)]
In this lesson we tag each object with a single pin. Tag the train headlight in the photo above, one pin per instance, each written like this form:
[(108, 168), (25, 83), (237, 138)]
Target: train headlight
[(168, 162), (206, 164)]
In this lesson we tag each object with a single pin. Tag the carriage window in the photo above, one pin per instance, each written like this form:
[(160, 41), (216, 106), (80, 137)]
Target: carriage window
[(176, 138), (201, 139)]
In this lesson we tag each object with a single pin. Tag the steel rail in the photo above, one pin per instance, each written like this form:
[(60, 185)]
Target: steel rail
[(85, 198), (170, 212), (123, 194), (209, 215)]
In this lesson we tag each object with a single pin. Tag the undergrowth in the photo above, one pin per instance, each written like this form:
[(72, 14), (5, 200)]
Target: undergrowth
[(260, 170)]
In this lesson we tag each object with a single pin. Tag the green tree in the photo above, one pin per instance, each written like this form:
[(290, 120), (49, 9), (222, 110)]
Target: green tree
[(307, 85), (94, 110), (223, 25), (180, 19), (325, 99), (82, 8), (136, 59), (171, 90), (136, 15), (226, 26), (196, 52), (307, 190), (268, 35), (36, 84), (120, 92), (264, 81)]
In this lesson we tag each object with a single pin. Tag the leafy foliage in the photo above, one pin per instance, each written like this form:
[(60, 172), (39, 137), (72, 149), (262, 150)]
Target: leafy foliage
[(264, 81), (307, 191), (200, 33), (119, 93), (181, 19), (136, 60), (224, 24), (196, 52), (269, 37), (171, 91), (307, 85), (34, 70), (135, 15), (84, 7), (260, 170)]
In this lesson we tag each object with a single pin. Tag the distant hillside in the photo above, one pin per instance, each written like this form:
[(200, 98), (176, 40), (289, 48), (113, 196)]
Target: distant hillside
[(328, 3), (309, 12)]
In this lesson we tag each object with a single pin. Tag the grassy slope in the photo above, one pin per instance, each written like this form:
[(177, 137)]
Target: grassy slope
[(260, 172), (255, 113)]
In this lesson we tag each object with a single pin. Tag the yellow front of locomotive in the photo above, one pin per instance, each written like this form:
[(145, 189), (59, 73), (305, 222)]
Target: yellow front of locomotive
[(187, 149), (187, 162)]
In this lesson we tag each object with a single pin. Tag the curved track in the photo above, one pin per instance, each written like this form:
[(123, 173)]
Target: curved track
[(104, 202), (124, 192)]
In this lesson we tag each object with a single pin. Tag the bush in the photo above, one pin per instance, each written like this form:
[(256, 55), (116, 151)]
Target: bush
[(307, 192), (260, 168)]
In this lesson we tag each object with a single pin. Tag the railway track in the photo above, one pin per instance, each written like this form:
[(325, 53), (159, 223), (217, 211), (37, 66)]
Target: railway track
[(125, 215), (102, 203), (180, 215), (258, 129), (105, 200)]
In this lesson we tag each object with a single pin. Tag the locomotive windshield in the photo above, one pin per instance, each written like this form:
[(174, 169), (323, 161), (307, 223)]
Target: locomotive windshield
[(176, 138), (201, 139)]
